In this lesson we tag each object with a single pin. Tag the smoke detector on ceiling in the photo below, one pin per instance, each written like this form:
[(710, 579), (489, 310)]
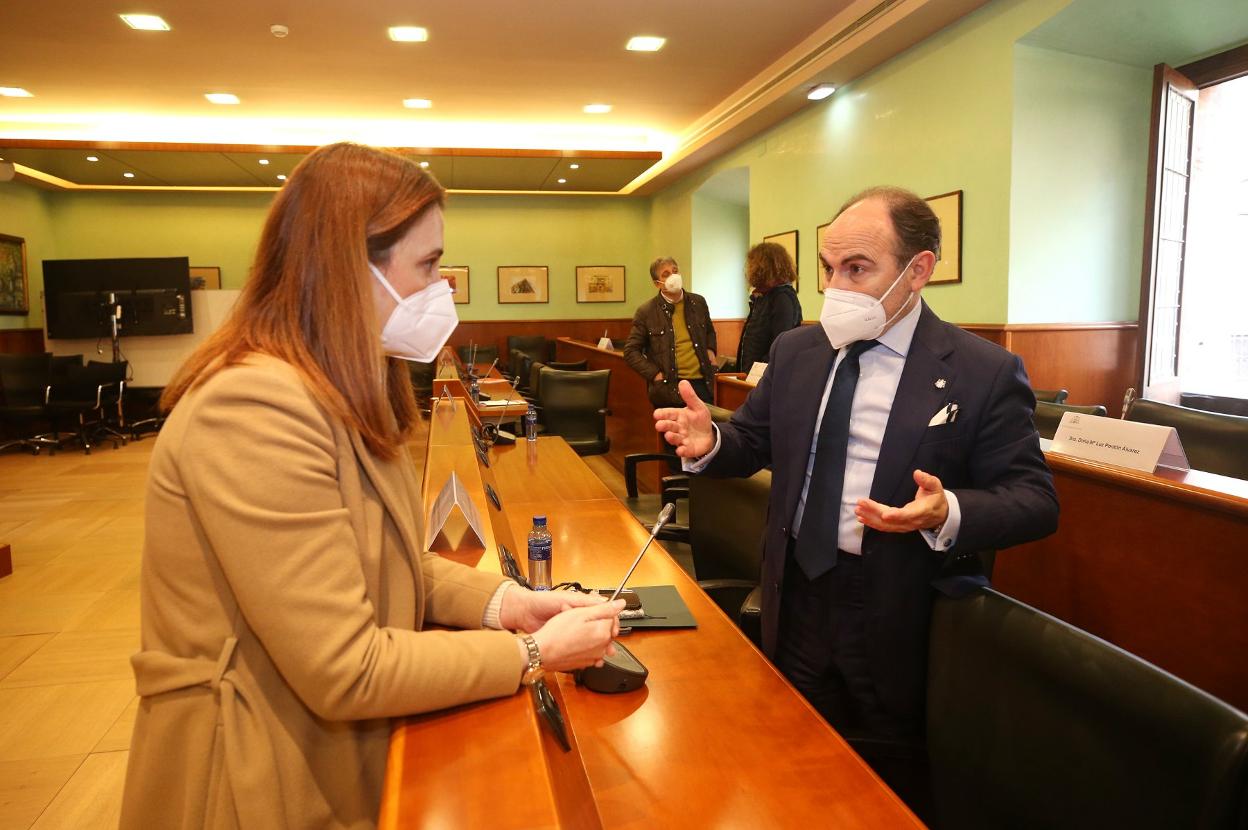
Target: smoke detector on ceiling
[(278, 30)]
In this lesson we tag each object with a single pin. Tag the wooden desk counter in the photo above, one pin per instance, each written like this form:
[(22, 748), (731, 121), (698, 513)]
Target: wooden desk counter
[(717, 738), (731, 390), (1156, 564)]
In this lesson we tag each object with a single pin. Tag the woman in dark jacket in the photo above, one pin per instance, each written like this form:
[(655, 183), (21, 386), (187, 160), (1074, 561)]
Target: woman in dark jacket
[(774, 308)]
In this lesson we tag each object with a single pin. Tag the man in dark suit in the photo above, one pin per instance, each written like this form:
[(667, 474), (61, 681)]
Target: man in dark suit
[(900, 447)]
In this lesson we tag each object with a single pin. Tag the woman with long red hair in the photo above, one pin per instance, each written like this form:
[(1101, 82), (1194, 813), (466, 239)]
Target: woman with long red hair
[(284, 582)]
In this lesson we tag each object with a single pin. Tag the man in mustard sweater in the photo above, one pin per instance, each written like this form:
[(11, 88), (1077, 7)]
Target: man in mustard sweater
[(672, 338)]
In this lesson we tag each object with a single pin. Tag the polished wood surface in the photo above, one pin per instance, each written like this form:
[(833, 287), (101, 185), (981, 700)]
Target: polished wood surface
[(6, 561), (716, 738), (731, 390), (21, 341), (1156, 564)]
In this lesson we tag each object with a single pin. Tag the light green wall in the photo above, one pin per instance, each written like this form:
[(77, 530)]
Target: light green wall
[(720, 239), (484, 232), (1077, 187), (26, 212)]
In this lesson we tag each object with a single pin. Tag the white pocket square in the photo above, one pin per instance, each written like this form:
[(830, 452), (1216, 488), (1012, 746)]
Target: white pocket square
[(945, 415)]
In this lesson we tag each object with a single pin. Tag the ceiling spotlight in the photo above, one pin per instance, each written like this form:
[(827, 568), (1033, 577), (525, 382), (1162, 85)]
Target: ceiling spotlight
[(281, 177), (222, 97), (93, 158), (408, 34), (417, 103), (264, 161), (128, 175), (145, 22), (645, 43), (820, 92), (14, 92), (563, 181), (424, 164), (596, 109), (278, 30), (574, 167)]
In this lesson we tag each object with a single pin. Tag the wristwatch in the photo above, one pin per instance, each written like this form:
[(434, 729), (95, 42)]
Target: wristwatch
[(534, 672)]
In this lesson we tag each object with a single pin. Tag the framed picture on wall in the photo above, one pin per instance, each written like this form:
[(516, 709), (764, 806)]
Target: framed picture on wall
[(457, 276), (13, 295), (819, 232), (523, 284), (788, 241), (205, 277), (948, 209), (600, 283)]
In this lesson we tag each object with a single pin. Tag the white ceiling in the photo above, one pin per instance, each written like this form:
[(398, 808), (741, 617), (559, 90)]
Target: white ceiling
[(500, 73)]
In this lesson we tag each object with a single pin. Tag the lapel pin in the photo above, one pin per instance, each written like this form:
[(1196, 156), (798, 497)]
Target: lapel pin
[(940, 383)]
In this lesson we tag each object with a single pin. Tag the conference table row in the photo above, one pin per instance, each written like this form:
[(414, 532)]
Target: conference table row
[(715, 738)]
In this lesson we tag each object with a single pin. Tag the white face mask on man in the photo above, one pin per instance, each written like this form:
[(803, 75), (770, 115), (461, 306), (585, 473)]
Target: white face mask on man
[(421, 323), (674, 284), (850, 316)]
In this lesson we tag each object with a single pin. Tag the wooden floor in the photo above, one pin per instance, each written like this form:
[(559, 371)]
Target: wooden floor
[(69, 621)]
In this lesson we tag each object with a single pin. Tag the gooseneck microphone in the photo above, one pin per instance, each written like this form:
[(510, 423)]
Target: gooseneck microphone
[(665, 516)]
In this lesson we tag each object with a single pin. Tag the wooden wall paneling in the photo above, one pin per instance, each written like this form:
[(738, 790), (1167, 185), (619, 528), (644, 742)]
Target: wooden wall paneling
[(21, 341), (1095, 363), (728, 336)]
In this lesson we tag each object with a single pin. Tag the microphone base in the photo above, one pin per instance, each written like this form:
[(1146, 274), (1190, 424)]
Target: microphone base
[(622, 672)]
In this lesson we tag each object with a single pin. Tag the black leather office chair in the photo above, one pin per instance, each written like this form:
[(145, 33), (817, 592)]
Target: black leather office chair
[(24, 380), (1051, 395), (534, 385), (1214, 442), (570, 366), (92, 400), (574, 406), (727, 363), (1033, 723), (1214, 403), (727, 518), (534, 346), (485, 353), (1049, 415)]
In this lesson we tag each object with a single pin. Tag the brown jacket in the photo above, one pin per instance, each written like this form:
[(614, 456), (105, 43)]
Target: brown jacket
[(651, 347), (283, 586)]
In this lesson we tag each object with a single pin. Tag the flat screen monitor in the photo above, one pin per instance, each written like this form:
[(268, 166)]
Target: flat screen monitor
[(153, 294)]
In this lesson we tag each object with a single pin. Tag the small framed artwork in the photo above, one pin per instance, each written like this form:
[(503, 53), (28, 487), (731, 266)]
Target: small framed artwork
[(457, 276), (600, 283), (788, 241), (819, 232), (523, 284), (13, 294), (948, 209), (205, 278)]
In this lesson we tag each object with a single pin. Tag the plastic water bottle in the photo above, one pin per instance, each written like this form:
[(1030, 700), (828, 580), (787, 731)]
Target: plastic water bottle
[(474, 390), (530, 424), (539, 555)]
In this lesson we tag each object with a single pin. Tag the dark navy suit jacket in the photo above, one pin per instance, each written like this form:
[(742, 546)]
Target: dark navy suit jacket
[(990, 455)]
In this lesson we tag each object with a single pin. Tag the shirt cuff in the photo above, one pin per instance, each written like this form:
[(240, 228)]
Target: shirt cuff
[(946, 536), (492, 608), (697, 465)]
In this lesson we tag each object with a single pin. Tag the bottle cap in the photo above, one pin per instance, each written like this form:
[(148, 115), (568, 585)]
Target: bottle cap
[(540, 521)]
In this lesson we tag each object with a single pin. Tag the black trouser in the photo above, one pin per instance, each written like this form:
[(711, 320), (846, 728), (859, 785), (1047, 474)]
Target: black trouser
[(822, 650)]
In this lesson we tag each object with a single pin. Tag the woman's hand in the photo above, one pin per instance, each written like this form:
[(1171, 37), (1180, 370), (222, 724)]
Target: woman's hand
[(525, 610), (579, 637)]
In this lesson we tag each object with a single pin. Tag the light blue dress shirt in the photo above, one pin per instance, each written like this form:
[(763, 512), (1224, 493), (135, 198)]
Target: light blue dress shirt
[(879, 376)]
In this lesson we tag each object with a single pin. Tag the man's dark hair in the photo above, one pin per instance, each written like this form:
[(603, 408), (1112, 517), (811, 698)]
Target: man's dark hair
[(659, 263), (914, 224)]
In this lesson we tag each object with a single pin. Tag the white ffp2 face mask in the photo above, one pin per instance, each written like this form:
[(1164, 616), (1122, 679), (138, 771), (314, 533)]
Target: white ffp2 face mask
[(850, 316), (421, 323), (674, 284)]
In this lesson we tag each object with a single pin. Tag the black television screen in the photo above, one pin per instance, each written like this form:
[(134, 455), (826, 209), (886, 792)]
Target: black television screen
[(154, 294)]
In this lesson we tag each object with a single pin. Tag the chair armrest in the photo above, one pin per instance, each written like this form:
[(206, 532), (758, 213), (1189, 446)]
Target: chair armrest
[(670, 495), (633, 459), (672, 533), (728, 594), (604, 411)]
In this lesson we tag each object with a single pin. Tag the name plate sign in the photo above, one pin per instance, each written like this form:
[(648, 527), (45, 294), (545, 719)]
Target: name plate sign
[(452, 495), (756, 373), (1143, 447), (604, 343)]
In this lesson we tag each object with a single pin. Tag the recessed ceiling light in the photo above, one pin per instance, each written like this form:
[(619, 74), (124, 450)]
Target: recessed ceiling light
[(14, 92), (222, 97), (563, 181), (597, 109), (264, 161), (145, 22), (574, 167), (424, 164), (409, 34), (281, 177), (820, 92), (128, 175), (645, 43), (93, 158), (417, 103)]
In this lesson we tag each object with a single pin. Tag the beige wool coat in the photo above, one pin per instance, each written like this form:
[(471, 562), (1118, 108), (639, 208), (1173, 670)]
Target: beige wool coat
[(284, 585)]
